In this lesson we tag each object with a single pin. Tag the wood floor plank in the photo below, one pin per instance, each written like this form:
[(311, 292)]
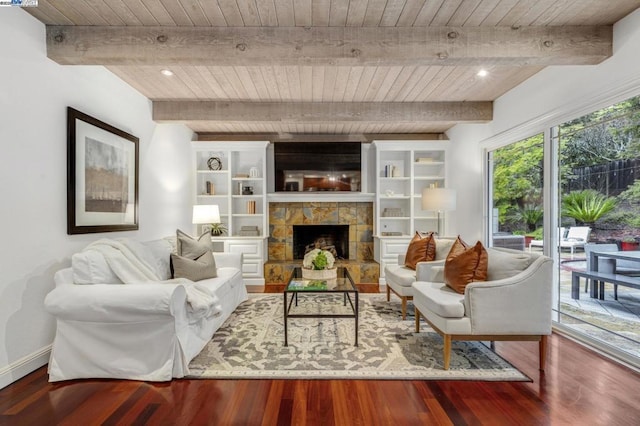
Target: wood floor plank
[(578, 387)]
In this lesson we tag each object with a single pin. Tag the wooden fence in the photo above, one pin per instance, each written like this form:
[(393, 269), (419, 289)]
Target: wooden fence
[(610, 178)]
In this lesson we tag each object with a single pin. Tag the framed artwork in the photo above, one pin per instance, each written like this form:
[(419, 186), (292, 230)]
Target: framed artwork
[(102, 176)]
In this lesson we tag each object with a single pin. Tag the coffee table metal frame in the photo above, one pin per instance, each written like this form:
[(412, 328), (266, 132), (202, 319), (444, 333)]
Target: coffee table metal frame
[(346, 288)]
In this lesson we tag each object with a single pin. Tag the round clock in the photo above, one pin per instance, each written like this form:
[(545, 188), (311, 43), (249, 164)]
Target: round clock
[(214, 163)]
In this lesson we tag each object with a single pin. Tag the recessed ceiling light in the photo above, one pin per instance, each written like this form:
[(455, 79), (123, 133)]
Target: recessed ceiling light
[(168, 73), (482, 73)]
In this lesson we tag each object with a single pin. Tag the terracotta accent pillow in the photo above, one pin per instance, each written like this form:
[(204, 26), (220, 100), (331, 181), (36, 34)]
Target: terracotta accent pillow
[(422, 248), (465, 265)]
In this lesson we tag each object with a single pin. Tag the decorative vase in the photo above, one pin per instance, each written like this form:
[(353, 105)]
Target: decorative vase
[(319, 274)]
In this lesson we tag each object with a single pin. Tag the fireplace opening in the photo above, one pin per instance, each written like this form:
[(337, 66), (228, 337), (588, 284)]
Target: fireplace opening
[(334, 238)]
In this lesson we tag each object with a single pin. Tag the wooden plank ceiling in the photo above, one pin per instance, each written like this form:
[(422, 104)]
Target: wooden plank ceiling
[(328, 66)]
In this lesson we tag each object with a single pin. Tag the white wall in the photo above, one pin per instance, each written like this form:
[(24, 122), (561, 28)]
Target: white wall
[(550, 97), (34, 95)]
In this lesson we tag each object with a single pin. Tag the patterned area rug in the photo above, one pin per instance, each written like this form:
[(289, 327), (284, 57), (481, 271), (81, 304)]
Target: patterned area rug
[(250, 344)]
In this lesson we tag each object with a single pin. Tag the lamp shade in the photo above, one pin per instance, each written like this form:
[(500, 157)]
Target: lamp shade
[(207, 213), (438, 199)]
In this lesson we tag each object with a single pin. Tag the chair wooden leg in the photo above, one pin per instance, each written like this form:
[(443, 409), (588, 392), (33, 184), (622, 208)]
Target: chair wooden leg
[(542, 348), (615, 291), (417, 320), (388, 293), (404, 308), (447, 350)]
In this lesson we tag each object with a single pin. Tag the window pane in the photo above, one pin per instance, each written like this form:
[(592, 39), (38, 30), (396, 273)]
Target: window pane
[(599, 178), (516, 172)]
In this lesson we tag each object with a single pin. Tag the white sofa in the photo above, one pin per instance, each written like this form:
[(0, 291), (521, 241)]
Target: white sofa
[(399, 278), (513, 304), (144, 331)]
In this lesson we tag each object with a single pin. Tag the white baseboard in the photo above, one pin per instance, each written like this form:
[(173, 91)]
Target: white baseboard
[(25, 365), (255, 288)]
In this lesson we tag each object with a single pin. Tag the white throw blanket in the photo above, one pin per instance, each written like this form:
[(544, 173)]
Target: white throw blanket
[(127, 261)]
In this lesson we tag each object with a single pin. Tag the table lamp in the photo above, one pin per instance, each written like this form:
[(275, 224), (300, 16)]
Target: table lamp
[(206, 214), (439, 200)]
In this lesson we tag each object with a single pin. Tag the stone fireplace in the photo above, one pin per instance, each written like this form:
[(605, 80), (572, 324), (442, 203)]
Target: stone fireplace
[(355, 220)]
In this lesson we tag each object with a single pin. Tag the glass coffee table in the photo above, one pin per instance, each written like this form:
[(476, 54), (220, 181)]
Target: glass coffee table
[(297, 285)]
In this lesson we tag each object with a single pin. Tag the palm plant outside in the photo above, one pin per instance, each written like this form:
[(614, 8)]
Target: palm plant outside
[(587, 206)]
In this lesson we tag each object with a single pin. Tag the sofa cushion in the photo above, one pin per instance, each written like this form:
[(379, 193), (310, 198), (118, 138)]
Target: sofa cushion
[(227, 279), (439, 299), (193, 248), (465, 265), (90, 267), (506, 264), (400, 275), (443, 246), (160, 253), (421, 249), (195, 270)]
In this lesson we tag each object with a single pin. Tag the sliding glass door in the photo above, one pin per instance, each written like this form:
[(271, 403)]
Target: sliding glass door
[(599, 210), (568, 194)]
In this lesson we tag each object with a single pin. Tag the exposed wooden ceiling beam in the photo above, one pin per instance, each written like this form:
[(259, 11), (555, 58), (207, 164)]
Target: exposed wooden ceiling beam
[(321, 112), (345, 46), (304, 137)]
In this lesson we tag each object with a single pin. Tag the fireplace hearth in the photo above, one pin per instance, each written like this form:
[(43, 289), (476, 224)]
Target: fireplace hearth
[(334, 238)]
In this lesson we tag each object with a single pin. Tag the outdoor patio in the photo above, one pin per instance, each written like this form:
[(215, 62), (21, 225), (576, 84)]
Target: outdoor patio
[(616, 322)]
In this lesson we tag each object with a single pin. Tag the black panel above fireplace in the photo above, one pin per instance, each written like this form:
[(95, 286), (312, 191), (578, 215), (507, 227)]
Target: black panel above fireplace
[(306, 237), (317, 166)]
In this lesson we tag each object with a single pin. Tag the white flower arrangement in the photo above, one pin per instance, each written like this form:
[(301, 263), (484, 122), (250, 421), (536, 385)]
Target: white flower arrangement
[(318, 259)]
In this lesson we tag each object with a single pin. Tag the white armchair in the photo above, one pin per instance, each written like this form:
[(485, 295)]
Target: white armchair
[(513, 304), (399, 278)]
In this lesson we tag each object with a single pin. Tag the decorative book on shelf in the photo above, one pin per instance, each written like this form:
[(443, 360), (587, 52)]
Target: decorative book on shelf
[(251, 207), (249, 231), (392, 212), (209, 188), (391, 234)]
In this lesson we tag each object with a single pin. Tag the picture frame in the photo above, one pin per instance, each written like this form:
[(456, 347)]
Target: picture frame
[(102, 176)]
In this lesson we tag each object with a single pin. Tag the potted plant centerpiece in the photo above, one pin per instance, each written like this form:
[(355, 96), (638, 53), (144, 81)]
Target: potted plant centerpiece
[(318, 265)]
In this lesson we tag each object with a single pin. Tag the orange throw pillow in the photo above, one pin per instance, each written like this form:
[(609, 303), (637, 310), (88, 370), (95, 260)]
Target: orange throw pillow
[(465, 265), (421, 249)]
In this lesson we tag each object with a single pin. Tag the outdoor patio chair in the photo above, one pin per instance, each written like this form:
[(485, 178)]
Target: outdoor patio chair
[(577, 236), (540, 243)]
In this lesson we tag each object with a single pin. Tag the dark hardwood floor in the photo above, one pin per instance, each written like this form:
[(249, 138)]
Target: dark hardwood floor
[(579, 387)]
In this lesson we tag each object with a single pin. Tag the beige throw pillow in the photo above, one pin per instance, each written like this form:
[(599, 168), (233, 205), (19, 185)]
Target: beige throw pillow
[(195, 270), (193, 248)]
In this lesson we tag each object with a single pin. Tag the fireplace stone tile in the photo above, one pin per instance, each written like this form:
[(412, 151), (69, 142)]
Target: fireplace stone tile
[(365, 213), (277, 233), (365, 251), (369, 273), (364, 233), (347, 214), (277, 251), (294, 214)]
